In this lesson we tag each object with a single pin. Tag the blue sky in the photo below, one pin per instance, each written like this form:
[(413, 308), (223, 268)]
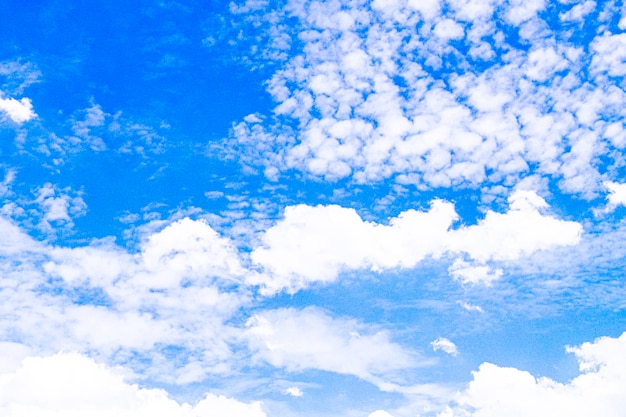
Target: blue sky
[(312, 208)]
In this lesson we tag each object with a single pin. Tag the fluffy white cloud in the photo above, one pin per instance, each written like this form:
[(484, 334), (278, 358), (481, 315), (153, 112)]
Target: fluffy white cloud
[(69, 384), (190, 250), (598, 390), (445, 345), (310, 339), (522, 230), (19, 111), (616, 197), (610, 54), (314, 244)]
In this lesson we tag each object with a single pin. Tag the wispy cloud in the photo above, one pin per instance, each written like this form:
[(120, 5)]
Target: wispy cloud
[(445, 345), (310, 339)]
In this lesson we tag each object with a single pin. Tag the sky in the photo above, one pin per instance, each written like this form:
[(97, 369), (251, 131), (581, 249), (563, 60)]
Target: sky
[(303, 208)]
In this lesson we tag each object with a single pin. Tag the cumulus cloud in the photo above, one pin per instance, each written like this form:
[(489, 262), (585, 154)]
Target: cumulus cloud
[(69, 384), (616, 197), (19, 111), (445, 345), (391, 91), (310, 339), (598, 390), (314, 244)]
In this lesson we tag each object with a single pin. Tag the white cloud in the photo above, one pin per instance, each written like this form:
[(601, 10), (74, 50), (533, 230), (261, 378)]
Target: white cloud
[(14, 241), (579, 11), (449, 29), (543, 63), (616, 197), (96, 130), (69, 384), (472, 273), (5, 185), (314, 244), (496, 391), (188, 249), (19, 74), (520, 11), (445, 345), (294, 392), (310, 339), (19, 111), (522, 230), (380, 413), (59, 206), (11, 356), (610, 55), (214, 406), (470, 307)]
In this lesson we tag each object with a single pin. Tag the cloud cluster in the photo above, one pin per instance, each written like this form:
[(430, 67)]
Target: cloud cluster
[(185, 283), (598, 390), (166, 310), (177, 291), (58, 206), (314, 244), (96, 130), (439, 94)]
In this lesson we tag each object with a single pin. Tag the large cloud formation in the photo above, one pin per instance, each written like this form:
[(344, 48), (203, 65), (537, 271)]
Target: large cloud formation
[(179, 291), (314, 244), (439, 94)]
